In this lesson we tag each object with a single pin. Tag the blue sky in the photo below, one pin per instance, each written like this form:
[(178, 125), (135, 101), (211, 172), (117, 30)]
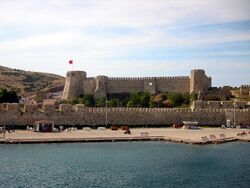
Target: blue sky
[(128, 37)]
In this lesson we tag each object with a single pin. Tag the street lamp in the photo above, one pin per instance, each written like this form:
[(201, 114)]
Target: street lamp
[(235, 114), (106, 120)]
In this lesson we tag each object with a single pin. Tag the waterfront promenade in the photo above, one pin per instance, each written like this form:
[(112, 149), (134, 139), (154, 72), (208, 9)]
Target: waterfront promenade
[(201, 136)]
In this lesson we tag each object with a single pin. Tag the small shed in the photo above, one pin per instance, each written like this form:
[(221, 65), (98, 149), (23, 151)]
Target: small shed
[(44, 126)]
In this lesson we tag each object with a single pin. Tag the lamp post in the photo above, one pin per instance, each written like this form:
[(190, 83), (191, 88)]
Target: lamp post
[(106, 119), (234, 114)]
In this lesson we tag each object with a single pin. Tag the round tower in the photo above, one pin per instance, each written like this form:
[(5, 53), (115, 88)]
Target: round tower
[(74, 84)]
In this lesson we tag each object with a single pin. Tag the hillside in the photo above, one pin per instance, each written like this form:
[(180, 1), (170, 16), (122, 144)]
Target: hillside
[(28, 83)]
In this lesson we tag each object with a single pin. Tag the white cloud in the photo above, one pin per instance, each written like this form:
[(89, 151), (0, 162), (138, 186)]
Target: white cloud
[(56, 30), (39, 41), (113, 46), (139, 13)]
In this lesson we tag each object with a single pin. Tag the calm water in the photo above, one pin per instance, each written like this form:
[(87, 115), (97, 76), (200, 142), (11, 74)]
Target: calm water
[(127, 164)]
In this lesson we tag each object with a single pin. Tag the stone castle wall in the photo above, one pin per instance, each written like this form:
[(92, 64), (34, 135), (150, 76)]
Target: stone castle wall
[(245, 90), (150, 84), (78, 83), (220, 105), (65, 114), (174, 84), (89, 85)]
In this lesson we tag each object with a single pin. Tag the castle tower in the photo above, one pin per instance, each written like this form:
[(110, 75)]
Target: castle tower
[(101, 86), (199, 81), (74, 84)]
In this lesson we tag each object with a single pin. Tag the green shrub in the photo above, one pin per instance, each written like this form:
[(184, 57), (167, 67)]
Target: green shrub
[(29, 78), (114, 102), (101, 102), (178, 99), (8, 96), (74, 101), (87, 100), (130, 104)]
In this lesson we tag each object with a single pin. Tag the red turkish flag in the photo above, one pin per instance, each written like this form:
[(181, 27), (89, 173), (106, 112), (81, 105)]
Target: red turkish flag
[(71, 62)]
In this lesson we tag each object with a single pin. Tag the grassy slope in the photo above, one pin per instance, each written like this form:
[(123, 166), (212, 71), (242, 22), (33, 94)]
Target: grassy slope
[(26, 82)]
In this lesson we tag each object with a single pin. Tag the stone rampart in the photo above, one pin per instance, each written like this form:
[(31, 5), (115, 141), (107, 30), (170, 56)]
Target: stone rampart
[(65, 114), (151, 84), (177, 84), (78, 83), (89, 85), (245, 86), (150, 78), (125, 85), (245, 90), (219, 104)]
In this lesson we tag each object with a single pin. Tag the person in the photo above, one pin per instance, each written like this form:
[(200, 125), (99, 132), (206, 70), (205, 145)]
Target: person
[(127, 131)]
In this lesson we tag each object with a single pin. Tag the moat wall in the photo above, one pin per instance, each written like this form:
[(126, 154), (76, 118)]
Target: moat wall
[(12, 114)]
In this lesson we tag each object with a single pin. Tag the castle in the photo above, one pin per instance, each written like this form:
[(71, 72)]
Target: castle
[(205, 112), (78, 83)]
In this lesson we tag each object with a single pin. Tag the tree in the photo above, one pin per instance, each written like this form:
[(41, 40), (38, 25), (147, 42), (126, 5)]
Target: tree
[(8, 96), (101, 102), (87, 100), (74, 101), (187, 98), (157, 100), (145, 100), (140, 99), (176, 99), (114, 102), (136, 99), (129, 104)]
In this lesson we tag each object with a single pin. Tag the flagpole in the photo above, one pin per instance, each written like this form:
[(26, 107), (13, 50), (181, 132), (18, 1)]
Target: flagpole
[(71, 62)]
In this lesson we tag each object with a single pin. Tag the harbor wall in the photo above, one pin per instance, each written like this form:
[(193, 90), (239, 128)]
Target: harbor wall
[(65, 114)]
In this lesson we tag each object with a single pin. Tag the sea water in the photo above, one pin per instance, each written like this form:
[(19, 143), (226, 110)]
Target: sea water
[(125, 164)]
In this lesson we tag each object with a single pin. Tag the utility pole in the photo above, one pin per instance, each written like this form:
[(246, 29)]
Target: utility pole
[(234, 114), (106, 119)]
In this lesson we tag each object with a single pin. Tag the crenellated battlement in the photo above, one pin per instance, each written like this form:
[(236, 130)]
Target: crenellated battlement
[(78, 83), (101, 77), (234, 88), (198, 70), (245, 86), (220, 105), (208, 106), (66, 114), (150, 78), (224, 87)]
